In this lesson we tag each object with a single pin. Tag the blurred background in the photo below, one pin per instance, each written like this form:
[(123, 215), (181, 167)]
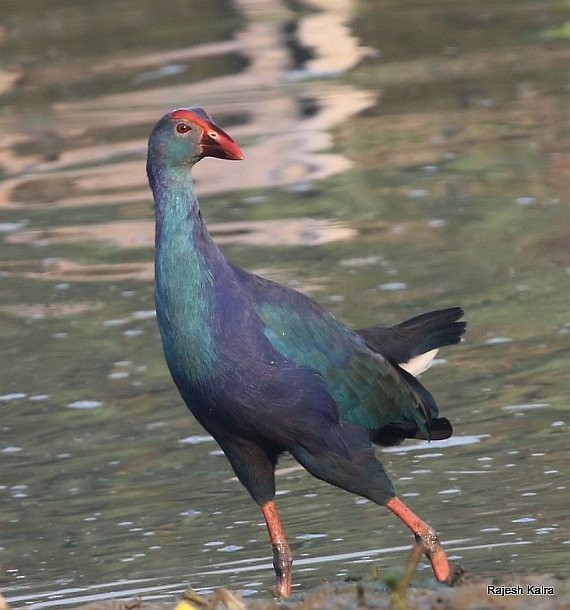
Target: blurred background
[(401, 156)]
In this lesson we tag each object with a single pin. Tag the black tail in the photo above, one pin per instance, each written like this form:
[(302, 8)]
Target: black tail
[(416, 336), (438, 428)]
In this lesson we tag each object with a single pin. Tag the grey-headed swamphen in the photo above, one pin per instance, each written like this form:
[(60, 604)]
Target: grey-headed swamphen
[(265, 370)]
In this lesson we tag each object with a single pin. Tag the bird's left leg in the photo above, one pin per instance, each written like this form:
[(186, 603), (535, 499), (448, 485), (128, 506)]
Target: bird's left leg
[(424, 533), (282, 556), (360, 472)]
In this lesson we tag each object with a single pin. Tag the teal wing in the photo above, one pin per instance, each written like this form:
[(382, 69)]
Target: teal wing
[(367, 389)]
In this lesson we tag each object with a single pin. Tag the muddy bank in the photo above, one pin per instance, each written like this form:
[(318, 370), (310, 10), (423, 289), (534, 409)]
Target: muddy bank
[(541, 592)]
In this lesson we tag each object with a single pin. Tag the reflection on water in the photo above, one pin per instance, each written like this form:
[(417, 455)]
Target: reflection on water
[(396, 161), (283, 141), (139, 234)]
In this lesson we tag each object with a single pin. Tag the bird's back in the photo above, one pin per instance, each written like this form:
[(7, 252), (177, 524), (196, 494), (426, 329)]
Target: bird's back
[(316, 351)]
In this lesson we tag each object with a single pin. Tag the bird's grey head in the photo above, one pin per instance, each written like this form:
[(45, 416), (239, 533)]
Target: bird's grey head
[(185, 135)]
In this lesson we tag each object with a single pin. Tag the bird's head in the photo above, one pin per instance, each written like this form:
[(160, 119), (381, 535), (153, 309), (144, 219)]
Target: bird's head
[(185, 135)]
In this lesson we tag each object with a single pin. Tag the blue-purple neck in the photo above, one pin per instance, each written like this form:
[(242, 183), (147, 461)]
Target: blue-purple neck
[(187, 262), (179, 223)]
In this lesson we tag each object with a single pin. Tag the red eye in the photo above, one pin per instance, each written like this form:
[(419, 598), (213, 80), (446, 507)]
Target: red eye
[(182, 128)]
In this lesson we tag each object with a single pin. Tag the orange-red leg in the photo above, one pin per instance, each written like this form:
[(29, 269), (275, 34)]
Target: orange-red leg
[(282, 557), (424, 532)]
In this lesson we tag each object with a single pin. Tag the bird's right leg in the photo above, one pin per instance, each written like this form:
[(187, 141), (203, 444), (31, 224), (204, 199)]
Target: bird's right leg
[(255, 468), (282, 556)]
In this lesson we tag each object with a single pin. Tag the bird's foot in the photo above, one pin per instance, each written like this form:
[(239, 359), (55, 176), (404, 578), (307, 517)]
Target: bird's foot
[(425, 534), (282, 562), (282, 556), (434, 552)]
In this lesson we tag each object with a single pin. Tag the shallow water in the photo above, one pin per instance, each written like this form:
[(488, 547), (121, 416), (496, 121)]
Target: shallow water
[(415, 160)]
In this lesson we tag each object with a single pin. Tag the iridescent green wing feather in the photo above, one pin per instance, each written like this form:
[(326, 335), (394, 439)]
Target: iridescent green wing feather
[(367, 389)]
